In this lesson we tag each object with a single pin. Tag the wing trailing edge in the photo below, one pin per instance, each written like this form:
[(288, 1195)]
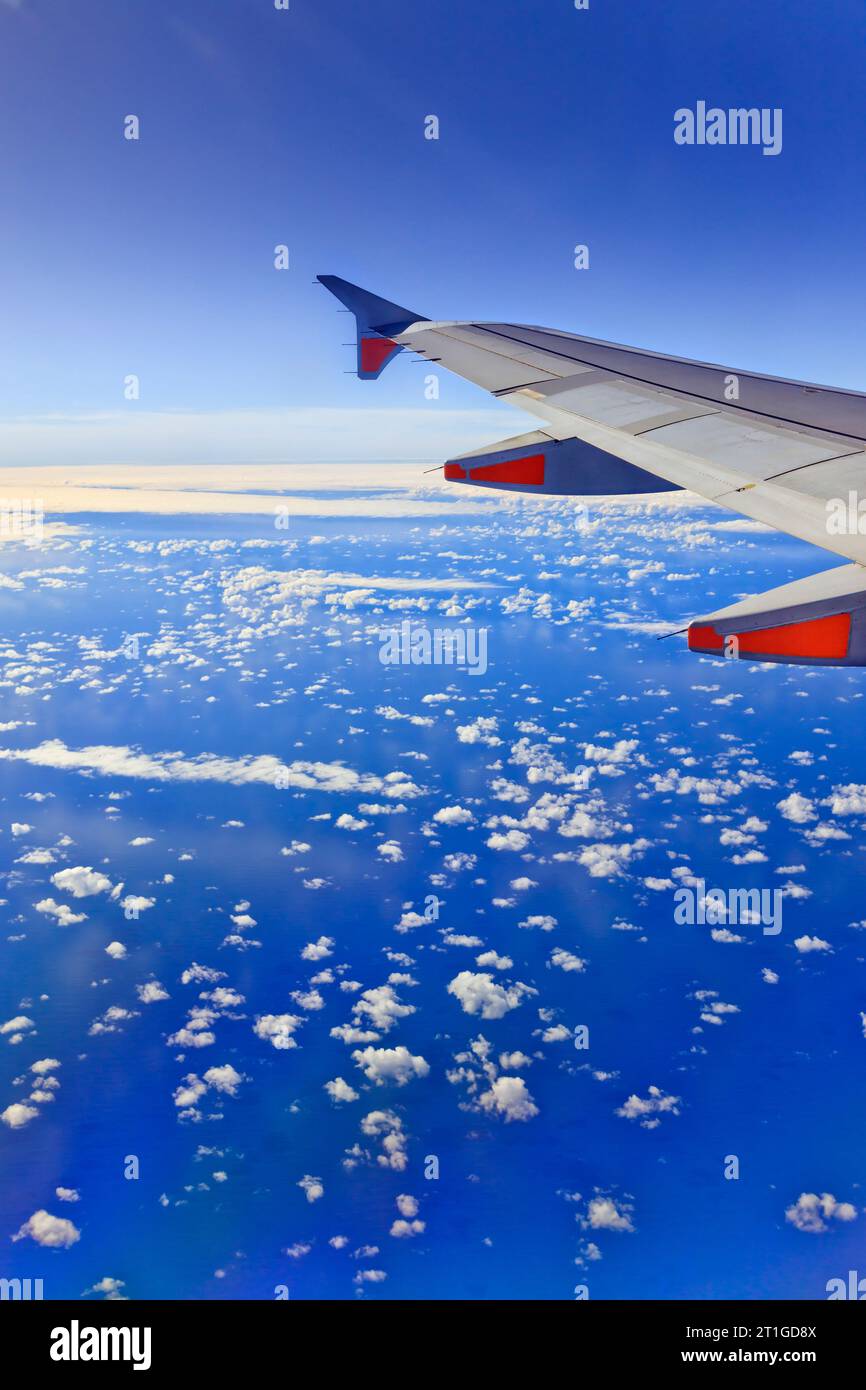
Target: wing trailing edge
[(818, 621)]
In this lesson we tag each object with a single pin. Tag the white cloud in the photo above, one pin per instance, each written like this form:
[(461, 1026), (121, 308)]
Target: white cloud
[(480, 994), (82, 881), (565, 960), (224, 1079), (849, 800), (278, 1029), (340, 1091), (453, 815), (61, 912), (16, 1116), (481, 730), (119, 761), (514, 840), (313, 1187), (391, 851), (55, 1232), (404, 1230), (110, 1289), (318, 950), (152, 992), (381, 1008), (811, 1212), (383, 1064), (135, 904), (494, 961), (648, 1110), (797, 809), (509, 1096), (15, 1028), (604, 1214), (543, 921)]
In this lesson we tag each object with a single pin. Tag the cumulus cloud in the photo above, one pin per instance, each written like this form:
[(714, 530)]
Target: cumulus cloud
[(61, 912), (81, 882), (543, 921), (849, 800), (604, 1214), (16, 1116), (109, 1288), (481, 730), (508, 1096), (797, 808), (811, 1212), (54, 1232), (340, 1091), (383, 1064), (312, 1187), (514, 840), (565, 960), (224, 1079), (151, 993), (380, 1008), (453, 815), (648, 1109), (318, 950), (391, 851), (278, 1029), (387, 1128), (479, 993), (15, 1028), (133, 904)]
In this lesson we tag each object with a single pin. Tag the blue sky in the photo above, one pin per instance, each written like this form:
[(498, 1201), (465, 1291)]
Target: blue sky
[(305, 127)]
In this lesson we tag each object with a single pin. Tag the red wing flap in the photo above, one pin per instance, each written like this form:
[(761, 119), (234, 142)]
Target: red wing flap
[(529, 471), (817, 639)]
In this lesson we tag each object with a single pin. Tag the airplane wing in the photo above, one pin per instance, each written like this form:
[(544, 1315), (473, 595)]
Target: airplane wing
[(615, 419)]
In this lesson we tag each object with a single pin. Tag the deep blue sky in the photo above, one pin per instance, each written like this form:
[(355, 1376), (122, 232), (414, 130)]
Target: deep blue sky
[(306, 127)]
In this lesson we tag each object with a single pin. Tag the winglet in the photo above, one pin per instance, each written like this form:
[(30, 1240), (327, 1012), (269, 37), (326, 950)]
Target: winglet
[(376, 319)]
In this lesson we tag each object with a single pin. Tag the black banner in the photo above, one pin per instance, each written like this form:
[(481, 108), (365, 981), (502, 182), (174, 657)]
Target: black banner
[(63, 1339)]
